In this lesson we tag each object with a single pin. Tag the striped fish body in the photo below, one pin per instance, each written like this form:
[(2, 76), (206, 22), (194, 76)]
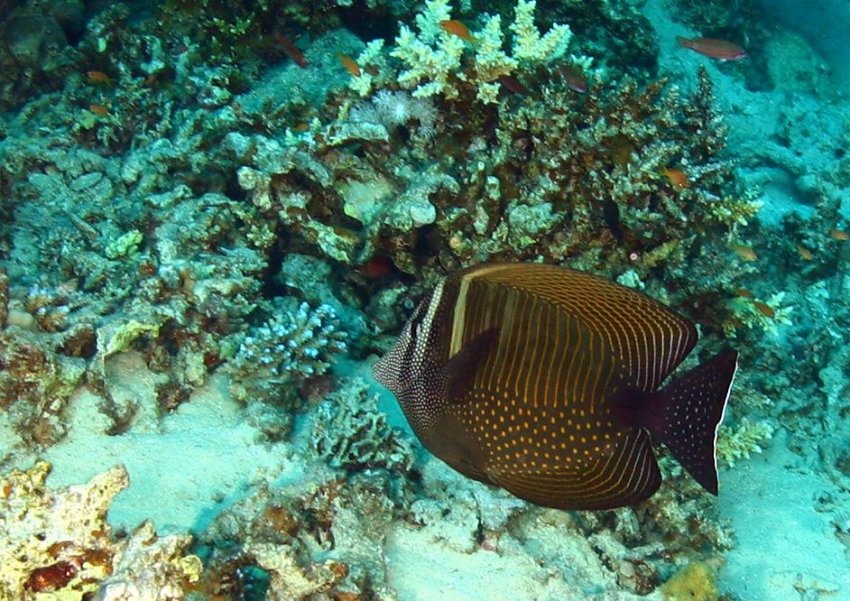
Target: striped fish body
[(544, 381)]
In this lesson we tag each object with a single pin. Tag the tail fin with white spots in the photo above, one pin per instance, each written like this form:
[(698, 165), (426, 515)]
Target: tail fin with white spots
[(690, 410)]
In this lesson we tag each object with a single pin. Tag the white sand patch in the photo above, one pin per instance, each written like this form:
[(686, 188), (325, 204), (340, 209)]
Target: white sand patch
[(785, 550), (197, 461), (422, 570)]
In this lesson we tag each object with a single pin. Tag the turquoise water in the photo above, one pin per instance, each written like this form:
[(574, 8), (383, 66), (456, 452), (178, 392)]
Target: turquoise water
[(215, 217)]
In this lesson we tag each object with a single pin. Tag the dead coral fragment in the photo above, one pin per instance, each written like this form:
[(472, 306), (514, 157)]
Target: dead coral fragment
[(146, 567), (51, 538), (59, 542)]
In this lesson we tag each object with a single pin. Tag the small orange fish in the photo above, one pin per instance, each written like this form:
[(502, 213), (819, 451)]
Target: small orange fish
[(676, 177), (98, 77), (713, 48), (350, 64), (574, 78), (764, 309), (99, 110), (746, 253), (839, 235), (744, 293), (457, 28), (291, 50), (805, 253)]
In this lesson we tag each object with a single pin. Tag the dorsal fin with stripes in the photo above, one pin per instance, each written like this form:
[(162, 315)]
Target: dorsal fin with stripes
[(646, 336)]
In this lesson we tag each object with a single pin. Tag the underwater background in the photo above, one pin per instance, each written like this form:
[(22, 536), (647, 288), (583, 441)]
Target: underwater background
[(216, 215)]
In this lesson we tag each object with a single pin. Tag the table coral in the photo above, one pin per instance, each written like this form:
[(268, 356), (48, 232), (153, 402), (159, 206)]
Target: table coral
[(60, 542)]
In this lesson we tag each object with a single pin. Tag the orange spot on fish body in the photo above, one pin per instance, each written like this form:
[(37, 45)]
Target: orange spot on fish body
[(764, 309), (746, 253), (676, 177), (98, 77), (457, 28), (713, 48), (291, 50), (839, 235), (350, 64)]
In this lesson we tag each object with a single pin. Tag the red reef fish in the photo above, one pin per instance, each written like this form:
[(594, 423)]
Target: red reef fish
[(350, 64), (99, 109), (291, 50), (764, 309), (457, 28), (746, 253), (376, 267), (713, 48)]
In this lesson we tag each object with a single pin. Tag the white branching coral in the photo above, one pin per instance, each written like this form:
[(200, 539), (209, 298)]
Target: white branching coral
[(370, 57), (743, 440), (433, 58), (491, 62), (528, 44), (290, 347)]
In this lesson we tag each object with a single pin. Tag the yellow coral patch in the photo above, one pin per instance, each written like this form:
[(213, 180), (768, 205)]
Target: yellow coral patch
[(694, 582)]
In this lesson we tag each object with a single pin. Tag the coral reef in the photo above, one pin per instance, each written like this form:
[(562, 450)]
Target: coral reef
[(189, 189), (278, 362), (318, 537), (59, 543)]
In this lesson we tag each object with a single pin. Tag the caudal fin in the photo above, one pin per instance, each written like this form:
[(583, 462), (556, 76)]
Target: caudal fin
[(691, 409)]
